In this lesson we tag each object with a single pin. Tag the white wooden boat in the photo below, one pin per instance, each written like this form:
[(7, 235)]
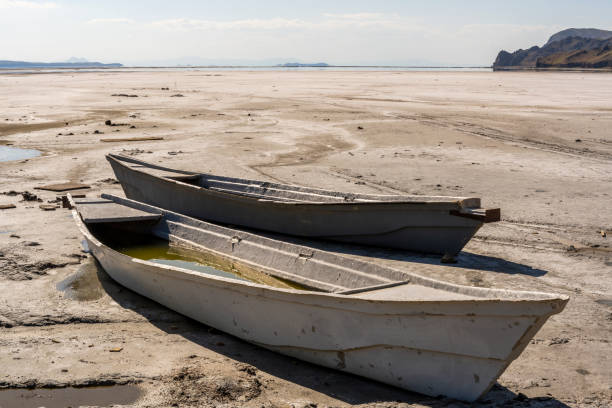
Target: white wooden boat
[(441, 225), (392, 326)]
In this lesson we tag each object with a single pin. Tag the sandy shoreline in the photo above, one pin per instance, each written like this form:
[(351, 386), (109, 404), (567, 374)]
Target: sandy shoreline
[(538, 145)]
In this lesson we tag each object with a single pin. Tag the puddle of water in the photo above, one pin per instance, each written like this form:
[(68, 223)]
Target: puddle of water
[(70, 397), (604, 302), (150, 248), (8, 153), (84, 285)]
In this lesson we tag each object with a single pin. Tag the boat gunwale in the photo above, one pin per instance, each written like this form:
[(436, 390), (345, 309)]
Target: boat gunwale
[(514, 297), (451, 201)]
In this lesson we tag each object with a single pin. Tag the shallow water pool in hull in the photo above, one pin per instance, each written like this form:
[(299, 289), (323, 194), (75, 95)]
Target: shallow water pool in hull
[(150, 248), (159, 251)]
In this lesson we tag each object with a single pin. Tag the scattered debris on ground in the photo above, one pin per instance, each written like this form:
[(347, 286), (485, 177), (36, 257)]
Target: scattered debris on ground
[(63, 187), (109, 122), (132, 139), (48, 207)]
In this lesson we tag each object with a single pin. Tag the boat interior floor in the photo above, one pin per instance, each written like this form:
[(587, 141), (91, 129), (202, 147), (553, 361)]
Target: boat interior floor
[(289, 193), (118, 226)]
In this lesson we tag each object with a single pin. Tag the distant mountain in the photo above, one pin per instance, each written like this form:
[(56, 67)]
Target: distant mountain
[(76, 59), (571, 48), (594, 33), (299, 64), (80, 64)]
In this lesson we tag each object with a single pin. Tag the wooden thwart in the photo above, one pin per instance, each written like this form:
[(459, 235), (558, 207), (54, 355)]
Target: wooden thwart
[(107, 211)]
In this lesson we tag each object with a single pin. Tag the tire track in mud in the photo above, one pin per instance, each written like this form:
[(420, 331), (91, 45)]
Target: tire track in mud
[(496, 134), (308, 150), (377, 186), (552, 241)]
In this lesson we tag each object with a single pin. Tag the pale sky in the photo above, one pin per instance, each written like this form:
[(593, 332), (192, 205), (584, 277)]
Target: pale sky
[(356, 32)]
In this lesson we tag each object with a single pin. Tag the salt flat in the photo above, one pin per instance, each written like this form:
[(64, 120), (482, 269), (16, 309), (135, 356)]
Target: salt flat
[(538, 145)]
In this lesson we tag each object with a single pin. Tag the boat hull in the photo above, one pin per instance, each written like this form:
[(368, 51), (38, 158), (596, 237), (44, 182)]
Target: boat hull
[(414, 350), (452, 348), (412, 332), (420, 227)]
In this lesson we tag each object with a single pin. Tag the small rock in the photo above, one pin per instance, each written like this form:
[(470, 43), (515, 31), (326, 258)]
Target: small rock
[(108, 122), (115, 349), (603, 233), (360, 127), (27, 196), (578, 140), (558, 340)]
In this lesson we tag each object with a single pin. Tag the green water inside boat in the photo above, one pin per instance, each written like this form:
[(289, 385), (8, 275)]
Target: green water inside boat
[(160, 251), (151, 248)]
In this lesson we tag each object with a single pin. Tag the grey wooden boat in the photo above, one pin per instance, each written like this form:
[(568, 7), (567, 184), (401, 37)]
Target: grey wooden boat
[(390, 325), (440, 225)]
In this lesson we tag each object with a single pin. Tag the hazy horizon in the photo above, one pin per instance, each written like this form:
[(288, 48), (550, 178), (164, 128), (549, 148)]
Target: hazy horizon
[(395, 33)]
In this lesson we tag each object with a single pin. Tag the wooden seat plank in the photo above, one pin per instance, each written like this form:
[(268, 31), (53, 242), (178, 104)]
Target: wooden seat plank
[(101, 212)]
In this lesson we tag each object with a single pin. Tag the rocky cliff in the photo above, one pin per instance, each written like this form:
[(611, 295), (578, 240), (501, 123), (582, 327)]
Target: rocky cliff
[(571, 48)]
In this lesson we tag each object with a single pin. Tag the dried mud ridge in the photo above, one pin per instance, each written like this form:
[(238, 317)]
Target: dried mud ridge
[(8, 321), (104, 380), (15, 267), (193, 386)]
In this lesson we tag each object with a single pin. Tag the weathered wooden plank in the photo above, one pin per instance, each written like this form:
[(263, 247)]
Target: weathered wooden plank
[(132, 139), (63, 187), (103, 211)]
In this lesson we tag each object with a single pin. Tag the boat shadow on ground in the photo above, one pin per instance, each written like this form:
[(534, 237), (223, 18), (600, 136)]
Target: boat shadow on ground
[(348, 388), (465, 260)]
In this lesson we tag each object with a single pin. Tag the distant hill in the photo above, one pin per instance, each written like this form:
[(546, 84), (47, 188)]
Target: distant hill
[(594, 33), (79, 64), (299, 64), (571, 48)]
